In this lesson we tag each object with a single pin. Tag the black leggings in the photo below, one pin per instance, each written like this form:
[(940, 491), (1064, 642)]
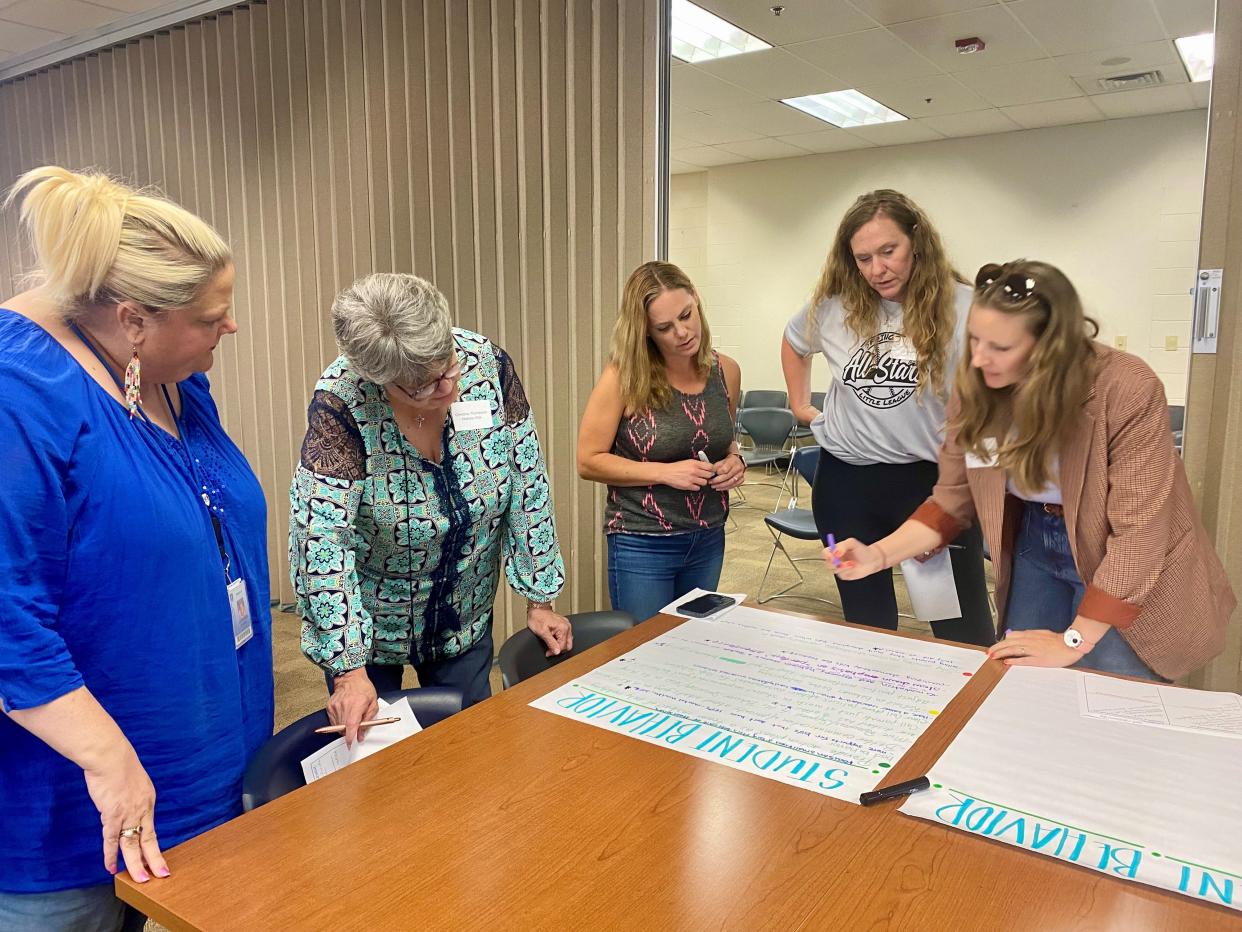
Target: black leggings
[(870, 502)]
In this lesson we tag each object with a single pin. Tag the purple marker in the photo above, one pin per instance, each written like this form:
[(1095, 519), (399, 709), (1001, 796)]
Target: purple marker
[(832, 545)]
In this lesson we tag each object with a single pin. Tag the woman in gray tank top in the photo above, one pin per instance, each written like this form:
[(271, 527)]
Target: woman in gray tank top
[(658, 430)]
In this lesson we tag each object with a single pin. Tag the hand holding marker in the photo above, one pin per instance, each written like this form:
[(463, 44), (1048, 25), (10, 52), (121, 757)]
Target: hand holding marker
[(703, 459), (832, 550)]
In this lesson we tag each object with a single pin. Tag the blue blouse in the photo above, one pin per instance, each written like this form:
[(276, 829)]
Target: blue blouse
[(111, 577)]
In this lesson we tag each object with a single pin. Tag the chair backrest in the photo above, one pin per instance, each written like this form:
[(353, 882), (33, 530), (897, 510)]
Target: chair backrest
[(817, 400), (769, 428), (522, 656), (1177, 417), (806, 460), (760, 398), (277, 768)]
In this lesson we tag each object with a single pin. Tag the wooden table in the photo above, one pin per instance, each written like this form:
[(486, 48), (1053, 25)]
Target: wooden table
[(509, 817)]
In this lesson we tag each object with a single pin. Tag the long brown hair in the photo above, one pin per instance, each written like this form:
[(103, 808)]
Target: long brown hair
[(928, 309), (1033, 415), (640, 365)]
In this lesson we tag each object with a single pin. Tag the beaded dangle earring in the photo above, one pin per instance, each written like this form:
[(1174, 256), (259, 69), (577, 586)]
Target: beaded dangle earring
[(133, 384)]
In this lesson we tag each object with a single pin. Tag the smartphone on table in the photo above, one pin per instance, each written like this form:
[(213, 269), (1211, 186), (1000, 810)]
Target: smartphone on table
[(703, 605)]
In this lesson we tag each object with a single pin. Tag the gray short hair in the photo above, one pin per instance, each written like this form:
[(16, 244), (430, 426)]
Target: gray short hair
[(393, 327)]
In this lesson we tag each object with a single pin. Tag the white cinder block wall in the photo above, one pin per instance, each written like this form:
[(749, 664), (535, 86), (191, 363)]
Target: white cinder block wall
[(1115, 204)]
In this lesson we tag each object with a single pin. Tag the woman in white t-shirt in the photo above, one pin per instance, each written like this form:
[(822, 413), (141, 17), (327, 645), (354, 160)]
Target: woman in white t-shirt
[(889, 316)]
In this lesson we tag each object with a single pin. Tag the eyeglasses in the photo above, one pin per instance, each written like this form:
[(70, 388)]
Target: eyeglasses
[(1016, 287), (449, 375)]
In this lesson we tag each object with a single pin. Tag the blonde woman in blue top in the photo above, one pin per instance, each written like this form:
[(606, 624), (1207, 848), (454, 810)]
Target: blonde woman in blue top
[(420, 472), (132, 698)]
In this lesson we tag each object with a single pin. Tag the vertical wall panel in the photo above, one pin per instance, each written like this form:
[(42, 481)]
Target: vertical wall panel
[(502, 148)]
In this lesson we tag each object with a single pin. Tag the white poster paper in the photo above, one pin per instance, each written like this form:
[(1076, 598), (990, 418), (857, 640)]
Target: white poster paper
[(671, 608), (1152, 805), (332, 757), (811, 704), (1209, 713)]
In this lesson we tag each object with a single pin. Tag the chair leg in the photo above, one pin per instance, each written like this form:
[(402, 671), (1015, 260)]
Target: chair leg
[(777, 545)]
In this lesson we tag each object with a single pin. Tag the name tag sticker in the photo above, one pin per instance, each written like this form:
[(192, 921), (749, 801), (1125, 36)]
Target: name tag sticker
[(471, 415), (983, 462), (239, 608)]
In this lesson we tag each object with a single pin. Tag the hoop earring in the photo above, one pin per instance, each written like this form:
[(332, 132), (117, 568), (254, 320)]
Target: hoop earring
[(133, 384)]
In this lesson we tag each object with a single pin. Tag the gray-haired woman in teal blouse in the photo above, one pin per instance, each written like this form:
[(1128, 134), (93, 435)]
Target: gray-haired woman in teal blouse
[(420, 470)]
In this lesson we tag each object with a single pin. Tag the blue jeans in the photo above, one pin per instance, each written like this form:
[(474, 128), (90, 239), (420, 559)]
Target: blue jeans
[(468, 672), (1045, 590), (85, 909), (648, 571)]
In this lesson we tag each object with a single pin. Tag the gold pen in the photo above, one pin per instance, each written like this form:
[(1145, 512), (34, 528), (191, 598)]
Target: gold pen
[(340, 729)]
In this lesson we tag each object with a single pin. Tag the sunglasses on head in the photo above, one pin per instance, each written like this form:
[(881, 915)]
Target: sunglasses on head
[(1015, 287)]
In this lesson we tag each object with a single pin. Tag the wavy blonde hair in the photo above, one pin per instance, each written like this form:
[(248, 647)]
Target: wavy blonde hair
[(96, 239), (928, 315), (640, 365), (1035, 413)]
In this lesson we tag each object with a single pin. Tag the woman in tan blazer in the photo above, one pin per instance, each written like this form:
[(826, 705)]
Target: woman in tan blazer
[(1061, 448)]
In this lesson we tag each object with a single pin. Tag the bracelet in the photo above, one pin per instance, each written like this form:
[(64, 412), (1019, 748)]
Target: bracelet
[(883, 556), (531, 605), (739, 456)]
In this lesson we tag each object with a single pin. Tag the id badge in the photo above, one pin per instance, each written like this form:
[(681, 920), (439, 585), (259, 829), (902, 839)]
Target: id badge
[(239, 608), (471, 415)]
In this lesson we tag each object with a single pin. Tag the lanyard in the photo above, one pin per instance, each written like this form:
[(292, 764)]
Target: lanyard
[(183, 448)]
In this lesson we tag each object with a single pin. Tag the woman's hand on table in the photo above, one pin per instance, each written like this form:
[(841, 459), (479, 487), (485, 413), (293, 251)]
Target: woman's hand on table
[(122, 792), (1035, 648), (554, 630), (353, 700)]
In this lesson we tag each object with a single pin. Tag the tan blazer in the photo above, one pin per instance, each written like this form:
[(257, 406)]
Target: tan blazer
[(1136, 537)]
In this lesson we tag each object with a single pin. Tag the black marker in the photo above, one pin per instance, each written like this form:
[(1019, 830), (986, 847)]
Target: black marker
[(894, 791)]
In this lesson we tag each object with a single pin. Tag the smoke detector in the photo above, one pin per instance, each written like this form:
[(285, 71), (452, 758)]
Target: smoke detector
[(968, 45)]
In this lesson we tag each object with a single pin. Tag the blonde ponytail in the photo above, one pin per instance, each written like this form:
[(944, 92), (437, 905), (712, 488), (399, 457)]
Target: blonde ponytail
[(96, 239)]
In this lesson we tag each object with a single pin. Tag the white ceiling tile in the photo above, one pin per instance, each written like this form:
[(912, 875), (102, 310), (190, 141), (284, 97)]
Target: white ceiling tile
[(830, 140), (1004, 38), (677, 167), (865, 57), (1054, 113), (767, 118), (18, 38), (1125, 59), (773, 73), (676, 142), (933, 95), (1020, 83), (698, 90), (130, 6), (1187, 17), (1201, 92), (4, 3), (707, 157), (800, 20), (764, 149), (978, 123), (706, 131), (1066, 26), (68, 16), (900, 11), (1145, 101), (896, 134)]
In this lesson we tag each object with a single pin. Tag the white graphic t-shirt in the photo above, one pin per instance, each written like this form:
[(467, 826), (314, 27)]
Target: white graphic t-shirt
[(872, 410)]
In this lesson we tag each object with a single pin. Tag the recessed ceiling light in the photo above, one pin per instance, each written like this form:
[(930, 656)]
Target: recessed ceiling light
[(698, 35), (845, 109), (1197, 54)]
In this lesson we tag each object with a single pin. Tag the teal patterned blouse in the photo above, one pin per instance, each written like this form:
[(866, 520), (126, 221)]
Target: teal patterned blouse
[(396, 559)]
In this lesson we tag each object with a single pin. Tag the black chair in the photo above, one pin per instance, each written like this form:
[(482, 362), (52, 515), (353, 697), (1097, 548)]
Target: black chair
[(770, 429), (277, 768), (760, 398), (522, 656), (1177, 421), (795, 522)]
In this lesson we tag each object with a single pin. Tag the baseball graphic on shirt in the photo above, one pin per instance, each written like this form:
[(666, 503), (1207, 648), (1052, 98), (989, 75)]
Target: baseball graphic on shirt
[(884, 370)]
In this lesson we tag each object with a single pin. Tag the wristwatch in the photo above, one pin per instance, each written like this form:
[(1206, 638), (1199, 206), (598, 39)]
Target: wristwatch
[(1072, 638)]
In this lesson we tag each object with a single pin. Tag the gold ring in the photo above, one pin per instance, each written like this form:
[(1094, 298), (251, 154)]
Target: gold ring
[(131, 832)]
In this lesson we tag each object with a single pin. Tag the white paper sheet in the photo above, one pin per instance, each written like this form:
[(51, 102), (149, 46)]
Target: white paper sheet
[(1208, 713), (1152, 805), (933, 592), (332, 757), (671, 608), (811, 704)]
